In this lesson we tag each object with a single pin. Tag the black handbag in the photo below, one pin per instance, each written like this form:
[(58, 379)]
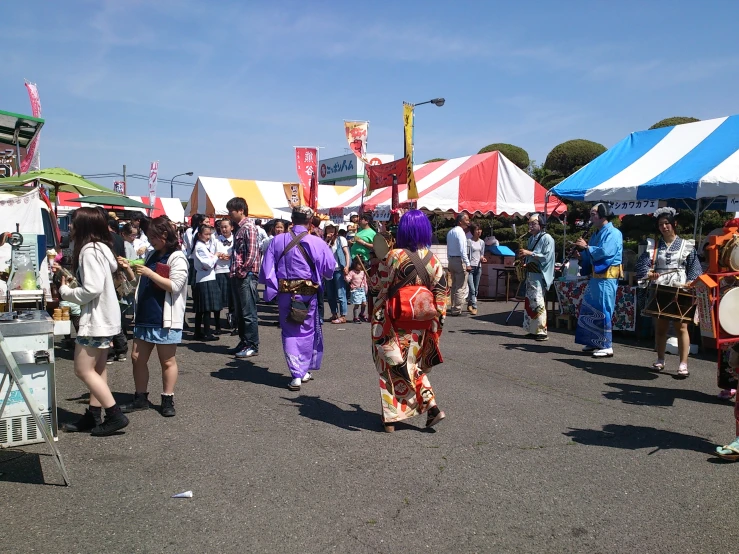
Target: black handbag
[(298, 309)]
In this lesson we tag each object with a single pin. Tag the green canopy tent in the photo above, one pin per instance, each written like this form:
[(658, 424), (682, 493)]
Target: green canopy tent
[(114, 202), (61, 180)]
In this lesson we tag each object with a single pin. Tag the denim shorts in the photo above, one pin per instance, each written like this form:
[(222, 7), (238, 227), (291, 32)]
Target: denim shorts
[(95, 342), (158, 335)]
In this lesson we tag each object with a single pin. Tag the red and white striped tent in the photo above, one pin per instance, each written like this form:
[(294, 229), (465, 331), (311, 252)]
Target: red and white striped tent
[(482, 184), (171, 207)]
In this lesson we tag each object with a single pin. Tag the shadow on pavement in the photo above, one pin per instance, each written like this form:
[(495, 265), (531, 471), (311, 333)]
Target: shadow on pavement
[(657, 396), (315, 408), (635, 437), (607, 368), (247, 372), (538, 347), (17, 466)]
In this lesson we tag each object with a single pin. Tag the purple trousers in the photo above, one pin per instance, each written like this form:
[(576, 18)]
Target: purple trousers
[(303, 344)]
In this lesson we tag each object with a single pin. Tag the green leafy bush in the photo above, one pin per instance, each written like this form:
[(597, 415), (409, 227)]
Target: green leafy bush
[(568, 157), (516, 154), (672, 121)]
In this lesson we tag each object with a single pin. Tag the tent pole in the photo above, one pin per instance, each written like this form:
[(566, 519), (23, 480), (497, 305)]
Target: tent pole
[(697, 216), (564, 238)]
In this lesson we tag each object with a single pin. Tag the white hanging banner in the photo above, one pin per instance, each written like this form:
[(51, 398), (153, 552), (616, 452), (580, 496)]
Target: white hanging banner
[(635, 207), (732, 203), (153, 177)]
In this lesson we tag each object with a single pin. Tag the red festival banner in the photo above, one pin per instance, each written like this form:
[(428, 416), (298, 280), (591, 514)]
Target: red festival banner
[(381, 176), (356, 135), (306, 165), (31, 160)]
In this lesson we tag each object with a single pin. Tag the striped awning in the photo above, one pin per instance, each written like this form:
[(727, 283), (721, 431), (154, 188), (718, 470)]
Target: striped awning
[(266, 199), (690, 161), (481, 184)]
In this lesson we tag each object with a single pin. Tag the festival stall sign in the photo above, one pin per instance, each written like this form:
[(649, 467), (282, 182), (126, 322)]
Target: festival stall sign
[(690, 161), (482, 184), (266, 199)]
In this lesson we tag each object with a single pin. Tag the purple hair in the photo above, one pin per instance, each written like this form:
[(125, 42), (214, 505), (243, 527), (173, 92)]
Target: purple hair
[(414, 231)]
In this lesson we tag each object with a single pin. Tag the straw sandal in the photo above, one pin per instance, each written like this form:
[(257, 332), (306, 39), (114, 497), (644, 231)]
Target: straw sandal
[(729, 451)]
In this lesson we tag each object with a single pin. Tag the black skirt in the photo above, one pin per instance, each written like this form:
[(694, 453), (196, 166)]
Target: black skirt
[(207, 297), (224, 283)]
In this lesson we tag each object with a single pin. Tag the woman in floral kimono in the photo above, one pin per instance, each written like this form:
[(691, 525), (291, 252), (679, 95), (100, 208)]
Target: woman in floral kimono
[(404, 357)]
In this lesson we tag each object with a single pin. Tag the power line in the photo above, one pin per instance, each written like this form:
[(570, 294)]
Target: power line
[(136, 176)]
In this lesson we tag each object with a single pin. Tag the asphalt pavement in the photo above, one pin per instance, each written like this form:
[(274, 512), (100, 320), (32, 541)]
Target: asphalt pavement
[(543, 449)]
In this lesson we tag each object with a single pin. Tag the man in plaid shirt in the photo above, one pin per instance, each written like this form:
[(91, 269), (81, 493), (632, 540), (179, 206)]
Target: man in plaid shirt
[(244, 273)]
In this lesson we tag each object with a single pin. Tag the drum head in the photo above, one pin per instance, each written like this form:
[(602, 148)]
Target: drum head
[(380, 246), (734, 258), (728, 308)]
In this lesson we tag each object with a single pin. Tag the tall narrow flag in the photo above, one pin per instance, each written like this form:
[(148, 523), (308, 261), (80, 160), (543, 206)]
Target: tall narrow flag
[(32, 159), (408, 146), (356, 135), (306, 165), (153, 177)]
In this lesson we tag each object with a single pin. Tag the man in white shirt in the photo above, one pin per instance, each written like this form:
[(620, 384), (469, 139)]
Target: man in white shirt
[(459, 263), (262, 235)]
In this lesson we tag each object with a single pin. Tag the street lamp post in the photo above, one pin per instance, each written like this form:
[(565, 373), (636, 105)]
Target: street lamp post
[(171, 182), (439, 102)]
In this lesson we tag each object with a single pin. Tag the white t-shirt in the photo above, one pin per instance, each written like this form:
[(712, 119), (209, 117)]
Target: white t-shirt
[(340, 242), (477, 247)]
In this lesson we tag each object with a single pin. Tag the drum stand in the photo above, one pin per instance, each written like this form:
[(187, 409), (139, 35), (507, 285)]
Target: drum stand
[(13, 374)]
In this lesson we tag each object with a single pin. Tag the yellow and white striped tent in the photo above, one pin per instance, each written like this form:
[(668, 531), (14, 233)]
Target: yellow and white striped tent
[(266, 199)]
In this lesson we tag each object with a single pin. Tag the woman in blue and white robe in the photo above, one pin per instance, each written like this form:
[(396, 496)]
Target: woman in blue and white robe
[(673, 262)]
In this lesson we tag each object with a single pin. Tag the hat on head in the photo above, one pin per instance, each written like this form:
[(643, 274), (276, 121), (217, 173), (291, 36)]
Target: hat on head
[(305, 211)]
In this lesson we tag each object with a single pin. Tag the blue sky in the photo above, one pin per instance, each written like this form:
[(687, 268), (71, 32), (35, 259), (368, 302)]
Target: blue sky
[(228, 88)]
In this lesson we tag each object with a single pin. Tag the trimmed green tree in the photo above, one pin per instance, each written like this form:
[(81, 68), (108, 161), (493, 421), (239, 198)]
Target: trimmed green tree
[(516, 154), (568, 157), (672, 121)]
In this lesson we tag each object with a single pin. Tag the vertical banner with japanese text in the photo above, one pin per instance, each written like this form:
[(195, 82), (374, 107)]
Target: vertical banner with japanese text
[(32, 160), (356, 136), (408, 147), (306, 165), (153, 178)]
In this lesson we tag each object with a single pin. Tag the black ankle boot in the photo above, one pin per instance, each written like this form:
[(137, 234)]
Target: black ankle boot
[(85, 423), (140, 402), (168, 405), (114, 421)]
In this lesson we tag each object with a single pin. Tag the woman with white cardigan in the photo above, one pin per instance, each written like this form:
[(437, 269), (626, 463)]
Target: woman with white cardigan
[(100, 319), (159, 314)]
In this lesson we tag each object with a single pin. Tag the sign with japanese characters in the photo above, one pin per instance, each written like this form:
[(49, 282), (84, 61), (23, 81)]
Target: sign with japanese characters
[(306, 162), (153, 177), (732, 204), (634, 207), (356, 136), (381, 213)]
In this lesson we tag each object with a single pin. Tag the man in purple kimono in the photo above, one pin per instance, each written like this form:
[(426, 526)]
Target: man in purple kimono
[(293, 271)]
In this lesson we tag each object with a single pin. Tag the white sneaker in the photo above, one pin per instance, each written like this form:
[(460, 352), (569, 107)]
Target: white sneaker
[(603, 353), (294, 384), (307, 377)]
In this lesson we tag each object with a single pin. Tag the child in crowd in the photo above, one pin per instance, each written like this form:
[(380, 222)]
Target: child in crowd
[(225, 246), (358, 286), (207, 295)]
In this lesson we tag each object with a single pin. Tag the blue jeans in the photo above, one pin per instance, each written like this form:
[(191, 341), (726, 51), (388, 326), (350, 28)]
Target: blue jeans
[(245, 309), (473, 282), (336, 293)]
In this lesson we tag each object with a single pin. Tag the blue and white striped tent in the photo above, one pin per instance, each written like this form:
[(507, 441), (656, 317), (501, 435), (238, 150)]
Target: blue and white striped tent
[(690, 161)]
